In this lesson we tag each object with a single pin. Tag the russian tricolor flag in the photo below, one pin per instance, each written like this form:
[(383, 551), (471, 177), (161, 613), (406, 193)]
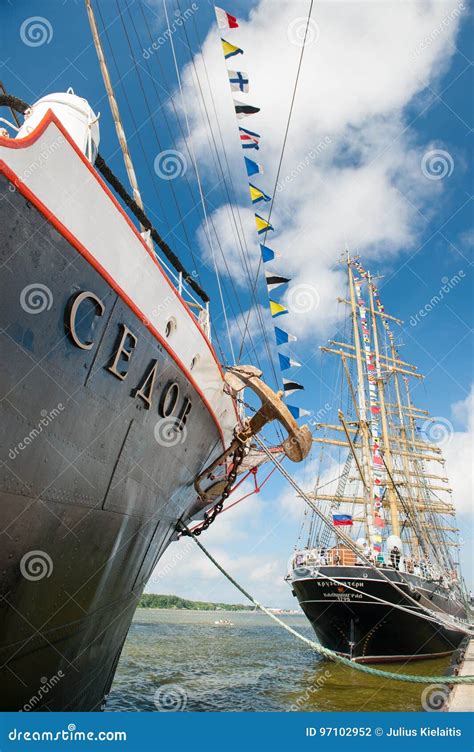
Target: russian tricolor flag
[(342, 519)]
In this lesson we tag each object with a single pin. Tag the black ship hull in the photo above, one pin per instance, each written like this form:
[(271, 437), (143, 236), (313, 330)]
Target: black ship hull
[(90, 492), (347, 619)]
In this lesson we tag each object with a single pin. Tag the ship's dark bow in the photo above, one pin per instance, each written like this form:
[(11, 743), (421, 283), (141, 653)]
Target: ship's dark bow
[(94, 476), (340, 602)]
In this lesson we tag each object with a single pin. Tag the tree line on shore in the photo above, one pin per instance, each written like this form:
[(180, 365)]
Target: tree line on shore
[(150, 600)]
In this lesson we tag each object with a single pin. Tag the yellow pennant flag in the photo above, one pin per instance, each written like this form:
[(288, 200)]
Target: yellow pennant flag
[(276, 309), (257, 195), (262, 224), (230, 49)]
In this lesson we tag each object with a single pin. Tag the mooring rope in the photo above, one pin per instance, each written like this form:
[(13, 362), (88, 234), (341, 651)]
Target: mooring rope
[(417, 679)]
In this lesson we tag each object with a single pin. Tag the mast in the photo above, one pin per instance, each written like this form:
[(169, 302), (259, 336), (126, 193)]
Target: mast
[(387, 456), (114, 106), (415, 544), (363, 425)]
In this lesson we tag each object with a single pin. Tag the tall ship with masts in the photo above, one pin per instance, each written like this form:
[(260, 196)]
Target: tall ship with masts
[(376, 567), (120, 423)]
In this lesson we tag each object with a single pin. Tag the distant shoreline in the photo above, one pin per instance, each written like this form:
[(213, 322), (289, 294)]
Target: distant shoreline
[(175, 603), (153, 601)]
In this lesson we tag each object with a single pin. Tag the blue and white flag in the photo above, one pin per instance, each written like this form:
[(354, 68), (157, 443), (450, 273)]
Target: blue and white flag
[(286, 362), (298, 412), (282, 338), (238, 80)]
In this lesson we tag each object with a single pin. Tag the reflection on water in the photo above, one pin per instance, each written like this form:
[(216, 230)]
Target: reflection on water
[(253, 665)]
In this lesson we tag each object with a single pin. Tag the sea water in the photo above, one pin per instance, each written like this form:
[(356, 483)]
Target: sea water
[(182, 661)]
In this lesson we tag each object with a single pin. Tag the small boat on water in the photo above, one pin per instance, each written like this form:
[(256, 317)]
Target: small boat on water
[(223, 623), (382, 581)]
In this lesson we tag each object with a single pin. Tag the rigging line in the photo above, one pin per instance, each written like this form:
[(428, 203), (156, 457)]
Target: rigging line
[(199, 184), (244, 252), (163, 218), (243, 248), (215, 333), (286, 132), (212, 206), (151, 118), (178, 121), (187, 148)]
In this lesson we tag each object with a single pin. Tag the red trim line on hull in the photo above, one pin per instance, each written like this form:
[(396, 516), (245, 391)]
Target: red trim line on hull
[(50, 217), (50, 117), (399, 658)]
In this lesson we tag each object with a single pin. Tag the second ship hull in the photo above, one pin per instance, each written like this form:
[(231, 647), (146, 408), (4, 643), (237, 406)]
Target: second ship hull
[(348, 620)]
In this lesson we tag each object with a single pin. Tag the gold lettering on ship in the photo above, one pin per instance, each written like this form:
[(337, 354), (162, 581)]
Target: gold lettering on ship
[(122, 351), (127, 342), (145, 388), (71, 319)]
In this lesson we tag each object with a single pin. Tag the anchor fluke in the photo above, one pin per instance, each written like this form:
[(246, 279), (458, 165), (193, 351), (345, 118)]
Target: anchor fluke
[(299, 440)]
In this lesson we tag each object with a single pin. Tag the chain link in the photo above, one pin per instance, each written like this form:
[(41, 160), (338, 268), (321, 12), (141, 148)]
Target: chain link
[(210, 516)]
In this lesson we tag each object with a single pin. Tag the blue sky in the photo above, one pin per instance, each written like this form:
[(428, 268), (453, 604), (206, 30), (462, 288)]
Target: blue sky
[(387, 85)]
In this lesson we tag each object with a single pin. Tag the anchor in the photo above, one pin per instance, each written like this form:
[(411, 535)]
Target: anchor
[(296, 446)]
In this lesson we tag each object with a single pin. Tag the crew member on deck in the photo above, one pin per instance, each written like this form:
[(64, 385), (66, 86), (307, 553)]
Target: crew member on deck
[(395, 557)]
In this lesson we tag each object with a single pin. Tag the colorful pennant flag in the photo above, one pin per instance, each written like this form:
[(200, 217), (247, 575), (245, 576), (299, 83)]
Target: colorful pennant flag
[(286, 362), (298, 412), (377, 547), (252, 167), (230, 49), (249, 139), (276, 309), (267, 253), (239, 81), (282, 338), (257, 195), (274, 280), (225, 20), (342, 519), (291, 386), (262, 225), (378, 521), (243, 110)]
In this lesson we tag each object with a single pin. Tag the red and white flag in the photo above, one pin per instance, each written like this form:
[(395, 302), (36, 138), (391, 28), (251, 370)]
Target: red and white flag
[(225, 20)]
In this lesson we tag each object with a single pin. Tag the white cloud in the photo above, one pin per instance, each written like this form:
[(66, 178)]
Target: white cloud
[(351, 171), (459, 454)]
